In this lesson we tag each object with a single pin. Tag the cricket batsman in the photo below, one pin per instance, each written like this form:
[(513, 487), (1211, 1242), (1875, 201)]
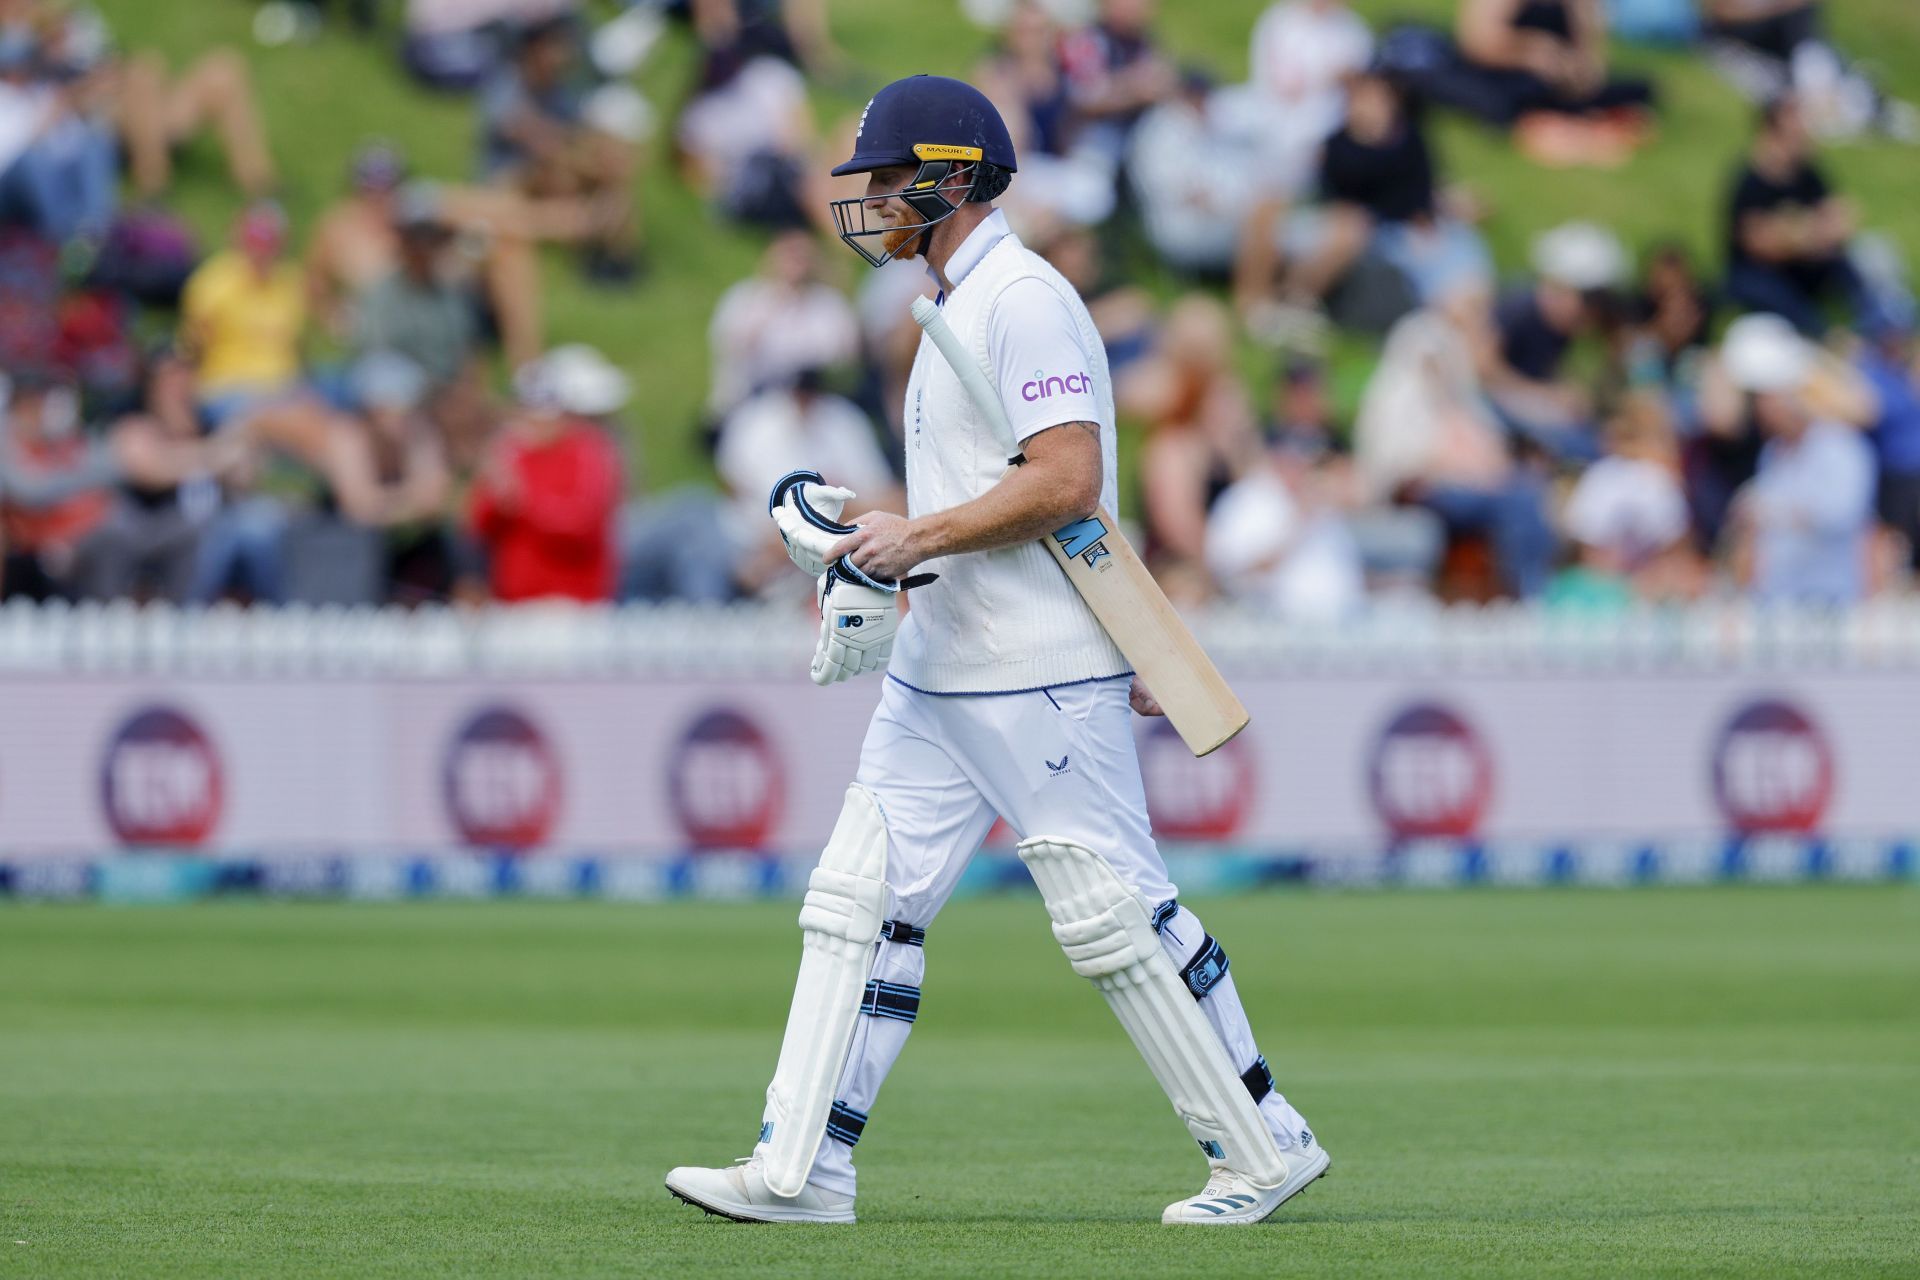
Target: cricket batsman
[(1002, 695)]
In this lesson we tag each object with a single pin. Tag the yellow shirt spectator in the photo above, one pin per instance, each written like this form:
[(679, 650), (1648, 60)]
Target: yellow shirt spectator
[(246, 323)]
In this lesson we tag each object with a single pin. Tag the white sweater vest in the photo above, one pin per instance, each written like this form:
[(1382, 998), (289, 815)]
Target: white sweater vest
[(1007, 620)]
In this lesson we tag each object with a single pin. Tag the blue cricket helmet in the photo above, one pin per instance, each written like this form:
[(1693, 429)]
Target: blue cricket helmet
[(950, 131), (929, 117)]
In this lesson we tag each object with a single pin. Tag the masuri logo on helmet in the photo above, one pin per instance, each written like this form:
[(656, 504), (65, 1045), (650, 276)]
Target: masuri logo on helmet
[(945, 151)]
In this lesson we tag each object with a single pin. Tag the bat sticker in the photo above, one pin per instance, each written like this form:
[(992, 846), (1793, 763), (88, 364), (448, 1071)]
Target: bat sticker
[(1081, 535)]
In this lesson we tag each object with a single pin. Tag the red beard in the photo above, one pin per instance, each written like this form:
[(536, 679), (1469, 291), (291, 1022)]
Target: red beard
[(895, 242)]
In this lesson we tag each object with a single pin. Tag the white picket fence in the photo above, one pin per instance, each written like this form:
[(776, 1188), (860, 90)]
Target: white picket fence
[(764, 640)]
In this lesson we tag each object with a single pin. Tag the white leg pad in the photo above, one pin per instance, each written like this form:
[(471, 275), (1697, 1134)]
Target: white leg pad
[(840, 922), (1105, 929)]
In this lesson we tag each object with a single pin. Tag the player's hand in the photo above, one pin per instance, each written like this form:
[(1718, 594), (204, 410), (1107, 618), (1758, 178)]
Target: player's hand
[(857, 626), (1141, 699), (806, 544), (883, 546)]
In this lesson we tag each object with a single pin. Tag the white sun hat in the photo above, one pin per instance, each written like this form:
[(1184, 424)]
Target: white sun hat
[(1762, 352), (574, 379), (619, 111), (1580, 255)]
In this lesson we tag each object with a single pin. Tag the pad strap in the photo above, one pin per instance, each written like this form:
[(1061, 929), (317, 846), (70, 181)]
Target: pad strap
[(895, 1000), (1204, 971), (1258, 1079), (844, 1124), (902, 932)]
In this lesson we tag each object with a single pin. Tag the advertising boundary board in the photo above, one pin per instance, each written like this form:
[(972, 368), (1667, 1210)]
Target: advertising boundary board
[(129, 785)]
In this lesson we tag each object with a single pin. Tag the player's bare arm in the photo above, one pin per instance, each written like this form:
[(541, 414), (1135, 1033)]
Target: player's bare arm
[(1058, 484)]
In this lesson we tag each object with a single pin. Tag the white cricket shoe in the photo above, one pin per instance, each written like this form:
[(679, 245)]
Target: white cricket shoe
[(741, 1193), (1231, 1200)]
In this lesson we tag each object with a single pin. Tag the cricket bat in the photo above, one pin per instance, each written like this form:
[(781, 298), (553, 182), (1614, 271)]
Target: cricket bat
[(1114, 582)]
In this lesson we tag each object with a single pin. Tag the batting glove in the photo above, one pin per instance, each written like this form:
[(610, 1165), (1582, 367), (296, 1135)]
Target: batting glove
[(857, 624), (807, 512)]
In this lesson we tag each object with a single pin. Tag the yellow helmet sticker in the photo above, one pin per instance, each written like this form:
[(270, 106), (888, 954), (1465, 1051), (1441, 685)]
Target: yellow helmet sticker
[(945, 151)]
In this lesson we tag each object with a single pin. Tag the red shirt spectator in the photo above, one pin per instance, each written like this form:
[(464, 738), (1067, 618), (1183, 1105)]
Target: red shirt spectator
[(44, 450), (545, 509)]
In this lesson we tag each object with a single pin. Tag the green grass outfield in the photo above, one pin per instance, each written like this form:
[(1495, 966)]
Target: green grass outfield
[(1699, 1082)]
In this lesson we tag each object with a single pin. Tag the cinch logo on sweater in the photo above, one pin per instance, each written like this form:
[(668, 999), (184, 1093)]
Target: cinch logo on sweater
[(1042, 386)]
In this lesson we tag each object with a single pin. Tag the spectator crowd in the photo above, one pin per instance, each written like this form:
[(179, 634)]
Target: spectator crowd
[(382, 419)]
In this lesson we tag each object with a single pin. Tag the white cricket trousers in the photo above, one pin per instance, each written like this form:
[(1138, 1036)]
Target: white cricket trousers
[(1058, 762)]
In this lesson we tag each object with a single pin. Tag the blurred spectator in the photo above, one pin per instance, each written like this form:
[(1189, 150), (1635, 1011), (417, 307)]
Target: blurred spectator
[(1787, 231), (1627, 513), (1578, 268), (1276, 540), (324, 504), (1202, 436), (1890, 360), (467, 420), (56, 164), (272, 455), (1397, 547), (744, 137), (1772, 47), (1191, 181), (1672, 315), (457, 44), (96, 345), (148, 543), (545, 505), (30, 291), (1724, 450), (1115, 70), (795, 31), (1279, 537), (1301, 412), (1303, 51), (1376, 177), (1024, 76), (418, 310), (798, 426), (1540, 66), (154, 112), (158, 113), (244, 313), (1059, 180), (1123, 313), (540, 135), (1801, 523), (357, 244), (1425, 435), (386, 471), (768, 327), (671, 546), (52, 487)]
